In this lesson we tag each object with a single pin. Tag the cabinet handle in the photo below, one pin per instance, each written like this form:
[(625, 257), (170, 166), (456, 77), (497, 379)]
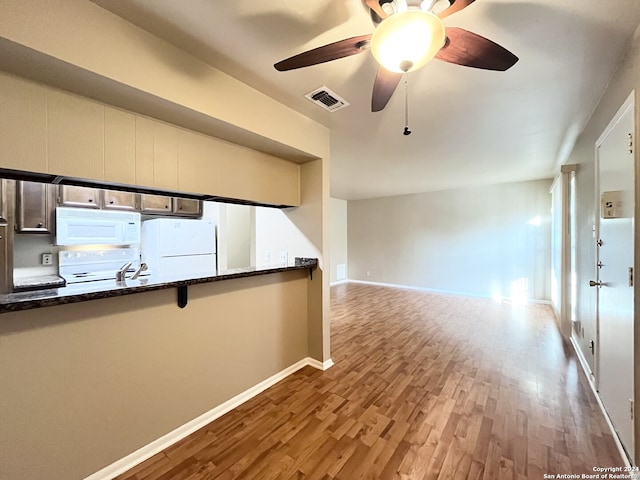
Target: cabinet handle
[(166, 206), (111, 202), (39, 225), (90, 200)]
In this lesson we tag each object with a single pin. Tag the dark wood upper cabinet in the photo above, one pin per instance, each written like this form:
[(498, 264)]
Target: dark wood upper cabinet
[(116, 200), (187, 207), (3, 201), (83, 197), (35, 207), (156, 204)]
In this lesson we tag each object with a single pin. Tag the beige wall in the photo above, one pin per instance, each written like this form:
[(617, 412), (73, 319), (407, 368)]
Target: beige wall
[(475, 241), (338, 235), (311, 219), (83, 35), (84, 385)]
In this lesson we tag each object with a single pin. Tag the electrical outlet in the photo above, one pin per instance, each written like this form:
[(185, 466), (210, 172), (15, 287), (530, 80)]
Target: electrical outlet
[(368, 273), (267, 256), (283, 257), (47, 259)]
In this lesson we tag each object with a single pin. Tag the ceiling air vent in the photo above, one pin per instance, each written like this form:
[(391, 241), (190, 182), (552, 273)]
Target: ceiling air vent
[(327, 99)]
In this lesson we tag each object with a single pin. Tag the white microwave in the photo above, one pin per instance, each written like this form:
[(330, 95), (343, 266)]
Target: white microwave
[(81, 226)]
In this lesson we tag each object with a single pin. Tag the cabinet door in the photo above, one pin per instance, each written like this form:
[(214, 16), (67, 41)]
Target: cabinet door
[(119, 146), (197, 159), (84, 197), (187, 207), (75, 136), (3, 201), (23, 125), (144, 152), (6, 259), (34, 207), (155, 204), (165, 156), (115, 200)]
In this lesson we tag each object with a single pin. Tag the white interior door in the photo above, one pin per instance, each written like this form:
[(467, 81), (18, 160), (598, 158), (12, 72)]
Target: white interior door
[(615, 212)]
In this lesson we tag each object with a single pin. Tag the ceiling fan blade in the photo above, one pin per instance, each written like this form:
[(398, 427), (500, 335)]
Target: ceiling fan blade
[(383, 88), (375, 6), (326, 53), (471, 50), (456, 6)]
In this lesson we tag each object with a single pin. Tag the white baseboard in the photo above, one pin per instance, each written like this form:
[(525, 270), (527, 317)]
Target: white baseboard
[(444, 292), (148, 451), (592, 384), (339, 282), (326, 365), (583, 362)]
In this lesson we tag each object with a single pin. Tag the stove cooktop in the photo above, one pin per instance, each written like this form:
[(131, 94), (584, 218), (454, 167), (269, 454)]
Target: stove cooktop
[(77, 266)]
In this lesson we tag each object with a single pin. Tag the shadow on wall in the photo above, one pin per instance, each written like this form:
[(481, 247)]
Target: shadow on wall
[(489, 241)]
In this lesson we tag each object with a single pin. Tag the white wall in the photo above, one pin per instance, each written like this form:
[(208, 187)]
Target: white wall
[(557, 195), (275, 233), (488, 241), (239, 235), (28, 250), (338, 252), (626, 79)]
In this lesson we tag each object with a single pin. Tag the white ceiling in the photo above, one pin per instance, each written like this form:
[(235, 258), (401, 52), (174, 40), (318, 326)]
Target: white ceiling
[(470, 127)]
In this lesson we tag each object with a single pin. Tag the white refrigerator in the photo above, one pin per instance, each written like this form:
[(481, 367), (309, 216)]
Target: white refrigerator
[(179, 249)]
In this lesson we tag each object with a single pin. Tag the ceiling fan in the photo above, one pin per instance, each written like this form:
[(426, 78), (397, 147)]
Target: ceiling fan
[(408, 34)]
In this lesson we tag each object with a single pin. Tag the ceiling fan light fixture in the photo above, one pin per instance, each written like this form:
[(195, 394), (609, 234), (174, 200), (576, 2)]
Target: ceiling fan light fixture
[(406, 41)]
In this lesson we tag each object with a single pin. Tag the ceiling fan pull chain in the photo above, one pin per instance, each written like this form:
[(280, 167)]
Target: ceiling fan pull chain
[(406, 106)]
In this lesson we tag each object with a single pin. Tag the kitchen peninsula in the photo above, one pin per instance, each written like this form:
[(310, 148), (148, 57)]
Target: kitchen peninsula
[(14, 302)]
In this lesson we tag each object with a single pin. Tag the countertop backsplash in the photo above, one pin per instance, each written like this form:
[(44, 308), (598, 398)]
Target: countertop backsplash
[(27, 255)]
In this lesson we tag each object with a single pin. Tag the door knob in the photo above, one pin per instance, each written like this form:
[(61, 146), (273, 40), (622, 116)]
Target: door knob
[(599, 242), (593, 283)]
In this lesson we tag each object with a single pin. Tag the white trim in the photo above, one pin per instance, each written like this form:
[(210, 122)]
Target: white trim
[(629, 104), (444, 292), (148, 451), (583, 362), (339, 282), (590, 378), (624, 108), (326, 365)]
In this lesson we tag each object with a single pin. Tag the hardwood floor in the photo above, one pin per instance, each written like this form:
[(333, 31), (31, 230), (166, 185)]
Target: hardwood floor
[(424, 386)]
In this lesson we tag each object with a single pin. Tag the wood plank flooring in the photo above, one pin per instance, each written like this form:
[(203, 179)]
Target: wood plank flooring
[(424, 386)]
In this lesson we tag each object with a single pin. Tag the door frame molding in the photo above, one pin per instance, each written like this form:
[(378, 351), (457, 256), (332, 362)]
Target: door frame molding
[(629, 103), (636, 287), (563, 313)]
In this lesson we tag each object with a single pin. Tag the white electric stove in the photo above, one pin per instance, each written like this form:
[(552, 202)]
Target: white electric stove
[(78, 266)]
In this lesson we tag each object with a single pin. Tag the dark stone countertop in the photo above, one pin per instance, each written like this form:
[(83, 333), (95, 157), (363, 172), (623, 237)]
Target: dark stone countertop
[(38, 282), (82, 292)]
